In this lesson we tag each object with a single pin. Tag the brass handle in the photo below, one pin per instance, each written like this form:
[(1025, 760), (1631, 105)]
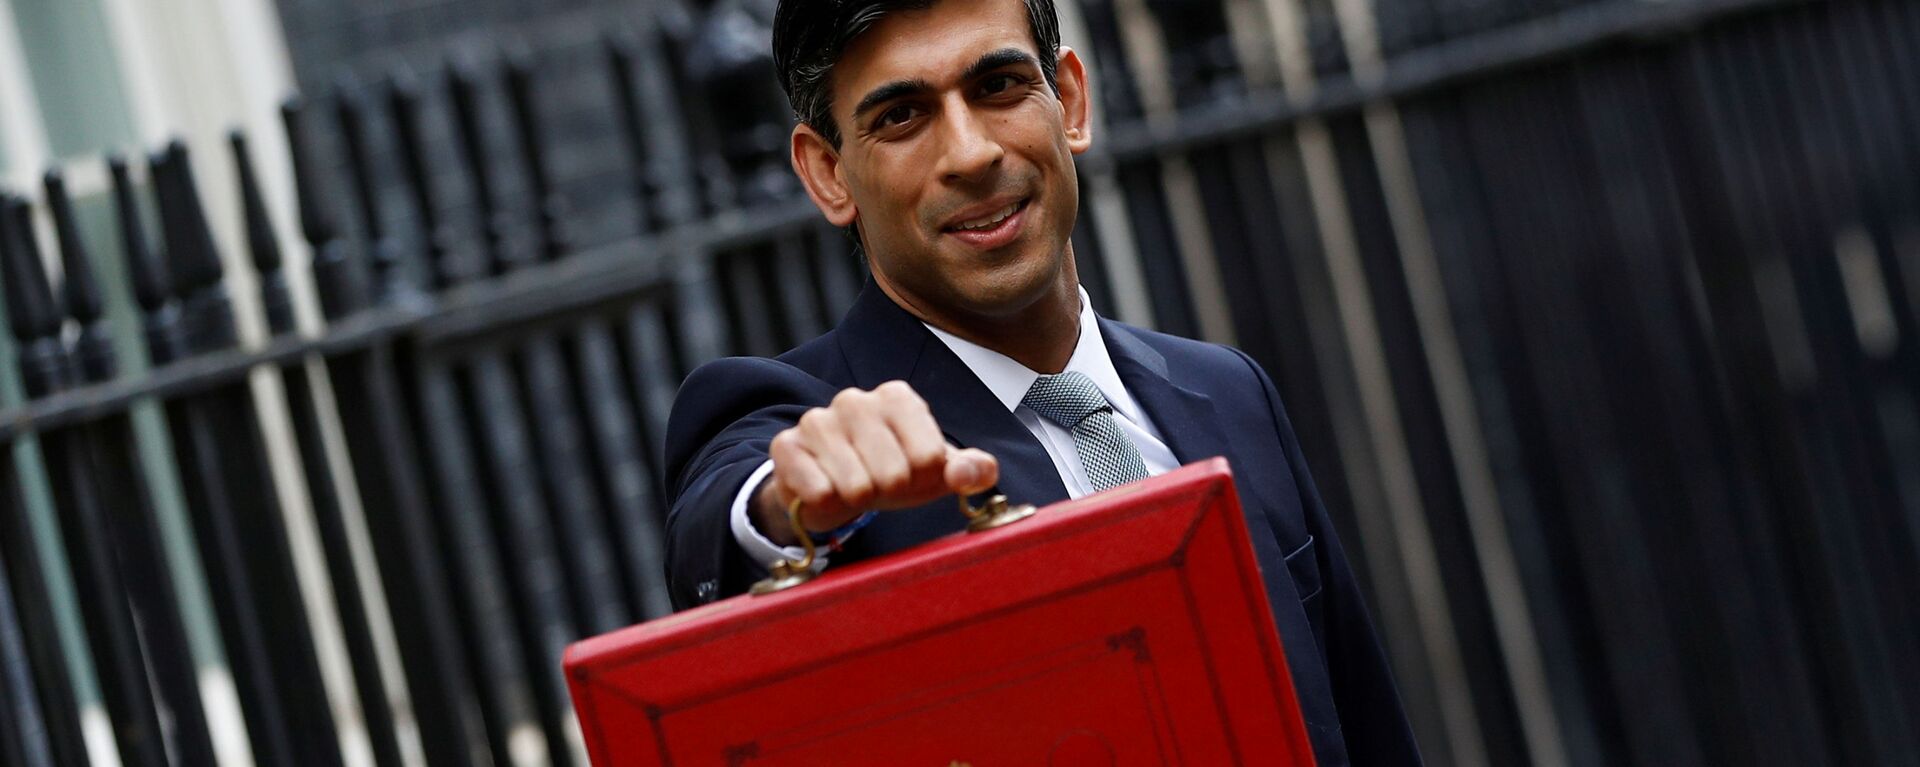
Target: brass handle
[(792, 572), (996, 512)]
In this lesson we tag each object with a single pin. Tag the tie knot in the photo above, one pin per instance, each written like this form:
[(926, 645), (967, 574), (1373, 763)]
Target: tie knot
[(1065, 399)]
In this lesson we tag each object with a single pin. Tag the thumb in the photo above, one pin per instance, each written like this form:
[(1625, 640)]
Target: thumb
[(971, 470)]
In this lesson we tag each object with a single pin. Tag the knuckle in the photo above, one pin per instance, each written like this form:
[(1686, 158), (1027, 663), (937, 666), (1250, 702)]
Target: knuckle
[(787, 440), (894, 388), (901, 394), (790, 475), (926, 456), (857, 494), (816, 419), (891, 481), (815, 495), (854, 404)]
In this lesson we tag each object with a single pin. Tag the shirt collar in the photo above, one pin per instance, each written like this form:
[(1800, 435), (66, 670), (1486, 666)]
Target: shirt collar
[(1010, 380)]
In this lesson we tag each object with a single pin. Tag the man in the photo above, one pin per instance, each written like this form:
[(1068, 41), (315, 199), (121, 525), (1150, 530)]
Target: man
[(942, 132)]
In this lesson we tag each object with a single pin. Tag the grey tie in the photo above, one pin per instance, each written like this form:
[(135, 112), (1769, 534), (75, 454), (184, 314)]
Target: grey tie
[(1071, 400)]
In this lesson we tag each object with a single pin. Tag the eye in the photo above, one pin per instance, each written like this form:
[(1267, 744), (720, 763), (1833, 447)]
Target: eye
[(897, 115), (998, 84)]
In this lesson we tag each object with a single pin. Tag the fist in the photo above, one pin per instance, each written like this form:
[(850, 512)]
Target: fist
[(866, 451)]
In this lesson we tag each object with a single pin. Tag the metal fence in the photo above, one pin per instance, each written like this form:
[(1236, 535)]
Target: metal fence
[(1597, 321)]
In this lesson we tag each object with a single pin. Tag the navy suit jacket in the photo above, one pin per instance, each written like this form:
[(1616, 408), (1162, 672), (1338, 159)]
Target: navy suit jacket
[(1207, 400)]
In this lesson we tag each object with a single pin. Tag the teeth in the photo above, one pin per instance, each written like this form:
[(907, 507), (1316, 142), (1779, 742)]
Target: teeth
[(990, 221)]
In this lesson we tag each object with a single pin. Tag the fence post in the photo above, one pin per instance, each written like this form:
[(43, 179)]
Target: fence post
[(243, 512), (49, 675), (128, 500), (23, 731), (383, 253), (486, 595), (1140, 183), (99, 584), (496, 391), (328, 515), (403, 106), (374, 420), (600, 399)]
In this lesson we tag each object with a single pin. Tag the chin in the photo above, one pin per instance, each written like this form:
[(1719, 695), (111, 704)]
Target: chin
[(1007, 290)]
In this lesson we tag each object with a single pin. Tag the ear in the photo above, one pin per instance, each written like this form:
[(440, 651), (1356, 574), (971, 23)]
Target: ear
[(818, 165), (1077, 120)]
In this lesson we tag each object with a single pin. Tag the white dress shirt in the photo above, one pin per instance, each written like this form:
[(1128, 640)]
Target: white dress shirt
[(1009, 382)]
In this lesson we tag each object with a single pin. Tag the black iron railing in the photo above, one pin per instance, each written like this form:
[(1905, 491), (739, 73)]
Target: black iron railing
[(1597, 321)]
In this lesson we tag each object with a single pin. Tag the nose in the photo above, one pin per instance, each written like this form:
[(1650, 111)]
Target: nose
[(972, 151)]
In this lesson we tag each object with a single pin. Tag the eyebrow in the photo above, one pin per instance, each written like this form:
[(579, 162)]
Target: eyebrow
[(899, 88)]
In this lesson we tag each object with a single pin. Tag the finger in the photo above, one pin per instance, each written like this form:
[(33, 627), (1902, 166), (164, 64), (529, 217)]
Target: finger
[(827, 440), (879, 450), (971, 470), (920, 438), (796, 474), (920, 441)]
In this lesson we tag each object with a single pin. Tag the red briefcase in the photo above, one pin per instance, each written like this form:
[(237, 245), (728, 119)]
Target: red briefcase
[(1129, 627)]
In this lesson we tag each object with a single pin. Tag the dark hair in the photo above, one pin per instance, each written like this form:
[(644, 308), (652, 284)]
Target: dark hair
[(810, 35)]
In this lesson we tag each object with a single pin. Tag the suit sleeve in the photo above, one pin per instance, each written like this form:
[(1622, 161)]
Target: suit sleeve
[(725, 416), (1372, 718)]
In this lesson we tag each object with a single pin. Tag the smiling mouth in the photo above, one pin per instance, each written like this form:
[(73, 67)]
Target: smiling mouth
[(991, 220)]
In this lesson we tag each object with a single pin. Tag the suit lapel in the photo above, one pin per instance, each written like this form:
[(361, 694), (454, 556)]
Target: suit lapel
[(1186, 418)]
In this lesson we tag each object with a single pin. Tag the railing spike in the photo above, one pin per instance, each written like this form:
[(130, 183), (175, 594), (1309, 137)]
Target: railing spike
[(550, 206), (404, 102), (32, 312), (81, 290), (263, 243), (316, 216), (149, 277), (191, 253)]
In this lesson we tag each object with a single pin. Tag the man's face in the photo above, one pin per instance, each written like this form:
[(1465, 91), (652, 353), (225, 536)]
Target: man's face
[(956, 159)]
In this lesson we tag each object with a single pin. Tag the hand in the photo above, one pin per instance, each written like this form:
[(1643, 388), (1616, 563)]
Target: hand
[(867, 450)]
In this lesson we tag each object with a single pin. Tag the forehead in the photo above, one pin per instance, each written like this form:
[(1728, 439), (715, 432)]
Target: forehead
[(933, 44)]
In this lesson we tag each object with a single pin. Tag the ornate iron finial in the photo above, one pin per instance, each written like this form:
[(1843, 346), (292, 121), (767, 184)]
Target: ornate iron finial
[(729, 53), (192, 257), (335, 281), (317, 224), (81, 291), (151, 288), (622, 52), (1116, 83), (1201, 62), (383, 253), (463, 87), (32, 311), (550, 206), (404, 103), (149, 280), (263, 244), (93, 346)]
